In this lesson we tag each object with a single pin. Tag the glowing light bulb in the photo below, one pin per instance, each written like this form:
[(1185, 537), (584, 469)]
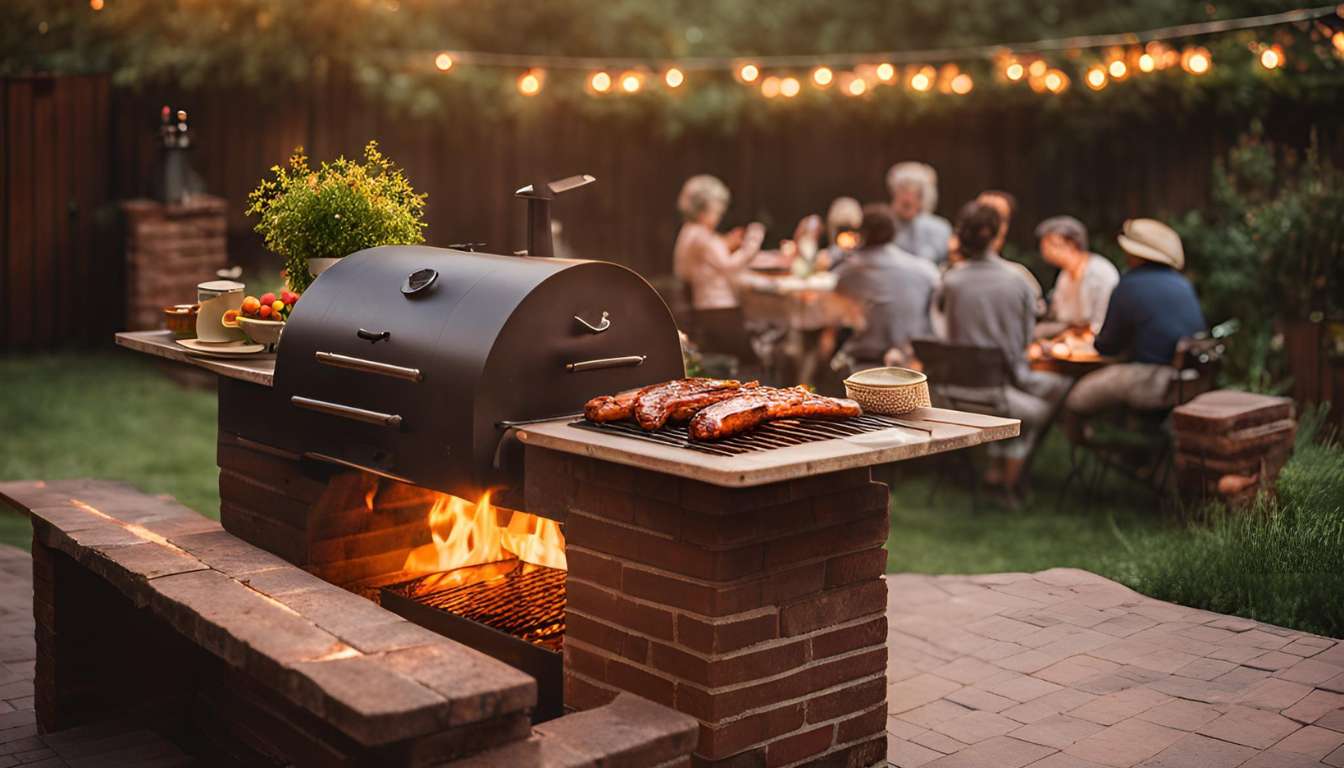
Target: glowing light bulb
[(1338, 40), (96, 5), (1037, 68), (885, 72), (962, 84), (822, 76), (857, 87), (770, 87), (1196, 61), (1056, 81), (530, 83), (443, 61), (1147, 63), (1015, 71), (922, 80), (1118, 69), (631, 82), (674, 77), (748, 73), (789, 87), (1270, 58), (1096, 78), (600, 82)]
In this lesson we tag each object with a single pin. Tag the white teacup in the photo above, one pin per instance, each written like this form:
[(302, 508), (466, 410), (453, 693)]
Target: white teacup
[(217, 297)]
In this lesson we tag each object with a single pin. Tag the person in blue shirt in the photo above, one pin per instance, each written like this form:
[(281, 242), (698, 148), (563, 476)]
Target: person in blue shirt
[(1152, 308)]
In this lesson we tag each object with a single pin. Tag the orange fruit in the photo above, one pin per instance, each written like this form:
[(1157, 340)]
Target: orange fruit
[(251, 305)]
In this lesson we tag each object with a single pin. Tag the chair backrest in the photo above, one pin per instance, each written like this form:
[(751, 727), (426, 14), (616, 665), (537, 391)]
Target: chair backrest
[(1197, 361), (964, 377), (961, 365)]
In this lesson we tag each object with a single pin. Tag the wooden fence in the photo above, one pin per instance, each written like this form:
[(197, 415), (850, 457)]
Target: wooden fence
[(72, 146), (60, 278)]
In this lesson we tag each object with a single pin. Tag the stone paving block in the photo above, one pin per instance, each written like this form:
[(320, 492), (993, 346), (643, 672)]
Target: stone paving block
[(934, 712), (1075, 669), (1125, 625), (906, 754), (1205, 669), (917, 691), (1250, 727), (1310, 672), (1126, 743), (976, 698), (1273, 661), (1312, 741), (1274, 694), (1309, 646), (1049, 704), (1196, 751), (902, 729), (1332, 720), (1335, 759), (938, 742), (1115, 707), (1314, 706), (1061, 760), (1278, 759), (966, 670), (975, 727), (998, 752), (1018, 687), (1207, 691), (1058, 731), (1182, 714)]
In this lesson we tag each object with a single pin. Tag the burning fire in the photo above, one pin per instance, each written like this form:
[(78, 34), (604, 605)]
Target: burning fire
[(470, 534)]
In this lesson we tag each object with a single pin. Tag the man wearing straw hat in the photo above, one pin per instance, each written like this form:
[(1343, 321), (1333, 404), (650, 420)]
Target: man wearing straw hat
[(1152, 308)]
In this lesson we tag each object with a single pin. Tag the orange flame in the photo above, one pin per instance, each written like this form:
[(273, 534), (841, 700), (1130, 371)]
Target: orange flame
[(469, 534)]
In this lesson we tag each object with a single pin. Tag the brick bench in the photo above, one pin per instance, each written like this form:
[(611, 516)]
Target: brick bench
[(142, 604)]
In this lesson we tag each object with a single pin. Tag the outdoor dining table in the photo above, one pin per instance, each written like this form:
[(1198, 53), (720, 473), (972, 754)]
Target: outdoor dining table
[(797, 308)]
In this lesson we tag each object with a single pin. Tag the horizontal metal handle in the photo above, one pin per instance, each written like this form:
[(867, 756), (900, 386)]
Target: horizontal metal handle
[(369, 366), (347, 411), (629, 361)]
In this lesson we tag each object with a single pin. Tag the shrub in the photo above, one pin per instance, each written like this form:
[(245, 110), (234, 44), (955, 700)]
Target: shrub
[(342, 207), (1280, 561)]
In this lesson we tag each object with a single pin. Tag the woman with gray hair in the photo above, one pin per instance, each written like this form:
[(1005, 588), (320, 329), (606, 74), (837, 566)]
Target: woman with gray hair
[(914, 195), (1083, 289), (709, 265)]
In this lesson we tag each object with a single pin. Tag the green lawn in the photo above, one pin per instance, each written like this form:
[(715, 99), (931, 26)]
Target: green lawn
[(115, 415), (109, 415)]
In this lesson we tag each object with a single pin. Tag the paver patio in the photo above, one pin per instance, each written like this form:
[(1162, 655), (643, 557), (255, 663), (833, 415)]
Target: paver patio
[(1059, 669)]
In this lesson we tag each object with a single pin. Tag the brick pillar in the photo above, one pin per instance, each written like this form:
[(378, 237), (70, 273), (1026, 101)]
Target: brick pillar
[(761, 611), (169, 250)]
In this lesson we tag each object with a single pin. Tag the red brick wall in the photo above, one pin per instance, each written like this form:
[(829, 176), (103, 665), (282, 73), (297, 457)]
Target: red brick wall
[(760, 612), (170, 249)]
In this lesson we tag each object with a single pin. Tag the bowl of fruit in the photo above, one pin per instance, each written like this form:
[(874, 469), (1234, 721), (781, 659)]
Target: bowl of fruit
[(262, 319)]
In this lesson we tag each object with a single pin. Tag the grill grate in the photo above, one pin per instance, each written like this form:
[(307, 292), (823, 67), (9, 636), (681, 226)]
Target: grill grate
[(772, 434), (521, 599)]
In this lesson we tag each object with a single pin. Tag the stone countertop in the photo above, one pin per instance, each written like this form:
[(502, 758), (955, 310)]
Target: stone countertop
[(259, 369)]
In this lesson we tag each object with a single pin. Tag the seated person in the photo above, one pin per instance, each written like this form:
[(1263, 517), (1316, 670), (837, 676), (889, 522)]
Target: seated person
[(893, 287), (1083, 288), (1006, 204), (987, 304), (1152, 308), (709, 264), (842, 223), (914, 196)]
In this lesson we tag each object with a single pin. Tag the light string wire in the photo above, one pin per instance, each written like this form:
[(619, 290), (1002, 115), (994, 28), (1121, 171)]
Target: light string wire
[(1078, 42)]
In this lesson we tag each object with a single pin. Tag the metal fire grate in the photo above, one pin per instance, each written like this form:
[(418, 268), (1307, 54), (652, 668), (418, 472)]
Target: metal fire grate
[(773, 434), (527, 601)]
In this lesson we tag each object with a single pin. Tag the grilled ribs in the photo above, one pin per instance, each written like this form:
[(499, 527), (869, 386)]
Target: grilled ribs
[(617, 407), (750, 409), (655, 405)]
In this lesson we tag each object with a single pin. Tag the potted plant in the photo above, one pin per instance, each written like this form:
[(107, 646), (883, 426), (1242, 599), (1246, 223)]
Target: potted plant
[(312, 218)]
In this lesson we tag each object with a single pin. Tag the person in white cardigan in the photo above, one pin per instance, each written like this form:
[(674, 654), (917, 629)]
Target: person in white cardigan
[(1083, 289)]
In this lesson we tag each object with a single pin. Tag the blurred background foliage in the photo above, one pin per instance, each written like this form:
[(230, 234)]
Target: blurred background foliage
[(389, 45)]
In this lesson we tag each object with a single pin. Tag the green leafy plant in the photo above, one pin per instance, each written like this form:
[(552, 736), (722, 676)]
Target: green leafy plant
[(342, 207)]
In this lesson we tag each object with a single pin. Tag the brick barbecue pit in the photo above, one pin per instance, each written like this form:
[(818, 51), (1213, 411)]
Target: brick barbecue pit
[(745, 591)]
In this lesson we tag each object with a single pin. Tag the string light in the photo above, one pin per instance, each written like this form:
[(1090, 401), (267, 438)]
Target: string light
[(770, 87), (1338, 40), (962, 84), (789, 87), (1196, 61), (631, 82), (674, 77), (922, 79), (822, 76), (1056, 81), (856, 86), (1096, 78), (600, 82), (1118, 69), (748, 73), (443, 61), (1037, 68), (96, 5), (1271, 57), (1015, 71), (529, 83), (1146, 62), (886, 72)]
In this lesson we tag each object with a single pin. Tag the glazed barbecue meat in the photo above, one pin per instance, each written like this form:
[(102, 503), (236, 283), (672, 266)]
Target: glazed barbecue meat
[(617, 407), (655, 405), (751, 409), (688, 405)]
